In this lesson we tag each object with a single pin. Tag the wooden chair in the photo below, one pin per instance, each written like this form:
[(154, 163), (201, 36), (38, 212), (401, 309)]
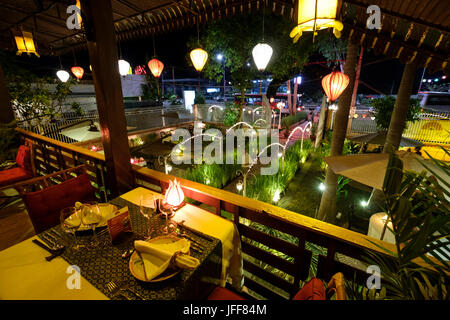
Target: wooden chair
[(312, 290), (46, 196), (20, 170)]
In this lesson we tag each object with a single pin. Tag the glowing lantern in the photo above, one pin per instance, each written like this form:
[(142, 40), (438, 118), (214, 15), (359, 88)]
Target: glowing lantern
[(314, 15), (174, 195), (156, 67), (63, 75), (334, 84), (25, 43), (262, 53), (124, 67), (199, 58), (77, 72)]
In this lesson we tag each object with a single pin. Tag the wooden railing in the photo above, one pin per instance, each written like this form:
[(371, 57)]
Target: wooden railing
[(51, 155), (279, 247)]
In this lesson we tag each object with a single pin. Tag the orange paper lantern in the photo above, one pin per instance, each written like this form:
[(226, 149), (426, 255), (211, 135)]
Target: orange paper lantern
[(77, 72), (156, 67), (334, 84), (174, 195)]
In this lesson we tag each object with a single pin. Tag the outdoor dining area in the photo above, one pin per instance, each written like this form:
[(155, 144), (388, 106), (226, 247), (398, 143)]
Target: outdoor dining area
[(107, 227)]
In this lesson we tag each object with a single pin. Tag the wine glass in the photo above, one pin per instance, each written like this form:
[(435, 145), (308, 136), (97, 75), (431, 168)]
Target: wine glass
[(147, 207), (70, 221), (91, 217)]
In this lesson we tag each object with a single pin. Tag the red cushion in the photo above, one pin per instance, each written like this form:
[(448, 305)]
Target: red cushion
[(44, 206), (13, 175), (220, 293), (23, 158), (313, 290)]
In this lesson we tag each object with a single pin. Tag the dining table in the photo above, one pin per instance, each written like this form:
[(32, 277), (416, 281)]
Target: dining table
[(91, 272)]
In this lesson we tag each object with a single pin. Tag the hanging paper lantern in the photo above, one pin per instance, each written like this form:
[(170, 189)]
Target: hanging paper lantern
[(334, 84), (124, 67), (63, 75), (156, 67), (262, 53), (77, 72), (199, 58), (174, 195), (140, 70), (314, 15), (25, 43)]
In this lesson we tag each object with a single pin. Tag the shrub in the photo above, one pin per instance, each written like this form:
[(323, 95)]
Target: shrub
[(215, 175), (231, 115), (383, 111), (290, 120)]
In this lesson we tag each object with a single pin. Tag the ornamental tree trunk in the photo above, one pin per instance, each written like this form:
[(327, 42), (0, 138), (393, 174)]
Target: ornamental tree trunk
[(398, 119), (241, 107), (327, 209)]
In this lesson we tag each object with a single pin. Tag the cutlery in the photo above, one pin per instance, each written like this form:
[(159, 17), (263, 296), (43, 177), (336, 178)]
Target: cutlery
[(181, 225), (114, 288), (52, 241), (54, 253), (192, 240), (128, 253)]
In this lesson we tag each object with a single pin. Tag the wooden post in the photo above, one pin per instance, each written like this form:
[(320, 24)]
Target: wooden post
[(6, 112), (101, 43), (355, 91), (401, 107), (321, 126)]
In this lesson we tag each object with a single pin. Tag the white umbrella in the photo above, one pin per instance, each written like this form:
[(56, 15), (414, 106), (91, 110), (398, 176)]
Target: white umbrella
[(82, 132)]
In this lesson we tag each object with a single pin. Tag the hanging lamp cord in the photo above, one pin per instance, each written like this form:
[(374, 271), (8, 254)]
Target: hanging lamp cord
[(264, 13), (74, 57)]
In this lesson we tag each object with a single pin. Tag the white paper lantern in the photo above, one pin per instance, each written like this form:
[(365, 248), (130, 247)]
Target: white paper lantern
[(124, 67), (262, 53), (63, 75)]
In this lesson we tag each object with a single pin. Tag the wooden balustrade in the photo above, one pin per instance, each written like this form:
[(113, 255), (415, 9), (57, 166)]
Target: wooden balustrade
[(276, 258)]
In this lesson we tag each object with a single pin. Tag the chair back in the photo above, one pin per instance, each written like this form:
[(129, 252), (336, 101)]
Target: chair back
[(23, 158), (46, 196), (337, 286)]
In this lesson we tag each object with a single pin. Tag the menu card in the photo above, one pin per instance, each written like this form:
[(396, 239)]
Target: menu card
[(120, 223)]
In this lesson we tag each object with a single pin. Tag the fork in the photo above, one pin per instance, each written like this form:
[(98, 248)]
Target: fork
[(112, 287)]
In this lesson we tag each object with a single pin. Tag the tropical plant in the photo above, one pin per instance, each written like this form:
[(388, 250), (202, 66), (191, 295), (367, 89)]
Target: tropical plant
[(288, 121), (383, 108), (9, 141), (418, 207), (75, 106), (231, 115), (199, 98)]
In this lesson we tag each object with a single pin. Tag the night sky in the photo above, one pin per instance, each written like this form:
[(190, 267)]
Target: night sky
[(171, 48)]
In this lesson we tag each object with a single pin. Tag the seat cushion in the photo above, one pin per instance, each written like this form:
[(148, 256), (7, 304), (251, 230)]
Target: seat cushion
[(23, 158), (44, 206), (220, 293), (13, 175), (313, 290)]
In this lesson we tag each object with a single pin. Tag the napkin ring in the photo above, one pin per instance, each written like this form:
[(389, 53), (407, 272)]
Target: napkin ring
[(173, 260)]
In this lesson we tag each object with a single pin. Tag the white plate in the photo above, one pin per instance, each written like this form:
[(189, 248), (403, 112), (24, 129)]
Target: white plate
[(137, 266)]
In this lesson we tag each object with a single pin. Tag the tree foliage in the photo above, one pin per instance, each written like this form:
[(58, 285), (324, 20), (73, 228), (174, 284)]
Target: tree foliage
[(383, 108)]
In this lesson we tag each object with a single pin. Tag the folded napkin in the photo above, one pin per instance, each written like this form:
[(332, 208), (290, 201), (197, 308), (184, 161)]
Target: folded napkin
[(157, 257)]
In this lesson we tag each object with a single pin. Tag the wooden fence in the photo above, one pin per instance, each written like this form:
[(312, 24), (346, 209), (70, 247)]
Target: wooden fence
[(277, 244)]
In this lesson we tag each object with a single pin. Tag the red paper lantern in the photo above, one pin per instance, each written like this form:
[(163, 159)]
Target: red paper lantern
[(334, 84), (156, 67), (77, 72)]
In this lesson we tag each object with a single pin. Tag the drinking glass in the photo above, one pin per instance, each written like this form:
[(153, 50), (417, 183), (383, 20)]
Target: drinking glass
[(70, 222), (91, 217), (147, 207)]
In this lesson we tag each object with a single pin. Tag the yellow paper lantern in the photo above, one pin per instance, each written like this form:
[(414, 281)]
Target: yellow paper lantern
[(199, 58), (25, 43), (314, 15)]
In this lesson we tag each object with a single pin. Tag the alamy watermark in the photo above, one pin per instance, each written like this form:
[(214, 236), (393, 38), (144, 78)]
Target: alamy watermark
[(245, 146), (74, 19), (74, 280)]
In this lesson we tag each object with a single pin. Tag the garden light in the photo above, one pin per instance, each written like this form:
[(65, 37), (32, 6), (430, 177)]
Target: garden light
[(276, 196), (321, 186), (239, 185), (168, 168), (364, 203)]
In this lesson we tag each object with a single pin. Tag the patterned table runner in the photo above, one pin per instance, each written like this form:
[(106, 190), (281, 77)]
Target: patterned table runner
[(104, 263)]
